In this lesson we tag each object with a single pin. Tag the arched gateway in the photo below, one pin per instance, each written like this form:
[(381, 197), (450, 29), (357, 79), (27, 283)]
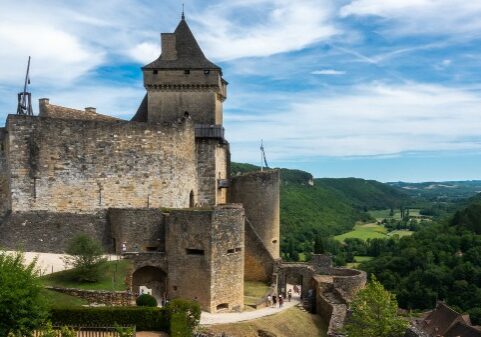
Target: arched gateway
[(151, 277)]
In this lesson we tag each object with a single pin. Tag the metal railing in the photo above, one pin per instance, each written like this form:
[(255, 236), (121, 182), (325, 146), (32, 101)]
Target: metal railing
[(209, 131)]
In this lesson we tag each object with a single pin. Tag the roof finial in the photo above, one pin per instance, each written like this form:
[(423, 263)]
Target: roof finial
[(183, 12)]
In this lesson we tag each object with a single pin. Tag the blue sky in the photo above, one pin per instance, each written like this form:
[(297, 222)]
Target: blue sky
[(387, 90)]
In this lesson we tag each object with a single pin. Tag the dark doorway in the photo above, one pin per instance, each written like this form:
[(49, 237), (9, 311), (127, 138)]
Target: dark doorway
[(152, 278)]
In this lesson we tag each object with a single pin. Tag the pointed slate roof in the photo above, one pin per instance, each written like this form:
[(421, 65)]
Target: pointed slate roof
[(189, 54)]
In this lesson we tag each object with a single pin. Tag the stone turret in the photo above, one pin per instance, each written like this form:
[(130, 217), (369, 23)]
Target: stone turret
[(182, 81)]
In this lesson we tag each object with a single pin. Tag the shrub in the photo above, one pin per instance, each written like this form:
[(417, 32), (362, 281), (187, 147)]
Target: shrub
[(85, 255), (22, 307), (144, 318), (146, 300), (184, 316)]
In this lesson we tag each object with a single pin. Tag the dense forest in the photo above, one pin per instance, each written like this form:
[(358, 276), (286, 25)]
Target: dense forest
[(440, 262)]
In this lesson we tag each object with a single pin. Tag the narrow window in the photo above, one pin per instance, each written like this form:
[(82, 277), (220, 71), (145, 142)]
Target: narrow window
[(155, 71), (191, 199), (194, 251), (274, 241), (230, 251), (187, 71), (174, 287), (238, 249), (206, 72)]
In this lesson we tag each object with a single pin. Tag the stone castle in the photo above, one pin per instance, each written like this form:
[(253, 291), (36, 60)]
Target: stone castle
[(160, 185)]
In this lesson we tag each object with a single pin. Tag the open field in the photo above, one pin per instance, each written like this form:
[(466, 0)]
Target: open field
[(400, 233), (364, 232), (113, 278), (358, 260), (290, 323), (380, 215)]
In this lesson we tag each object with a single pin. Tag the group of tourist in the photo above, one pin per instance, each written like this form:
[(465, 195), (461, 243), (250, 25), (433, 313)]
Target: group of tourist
[(274, 301)]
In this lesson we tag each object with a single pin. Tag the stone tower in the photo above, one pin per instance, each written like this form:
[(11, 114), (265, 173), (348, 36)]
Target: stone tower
[(183, 83)]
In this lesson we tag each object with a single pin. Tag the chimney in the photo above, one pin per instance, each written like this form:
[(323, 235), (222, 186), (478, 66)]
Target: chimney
[(169, 52), (90, 109), (42, 106)]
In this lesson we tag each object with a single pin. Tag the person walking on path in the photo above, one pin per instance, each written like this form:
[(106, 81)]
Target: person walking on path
[(289, 295), (274, 300), (281, 301), (269, 301)]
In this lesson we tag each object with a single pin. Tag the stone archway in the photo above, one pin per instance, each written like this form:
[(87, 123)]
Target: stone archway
[(151, 277)]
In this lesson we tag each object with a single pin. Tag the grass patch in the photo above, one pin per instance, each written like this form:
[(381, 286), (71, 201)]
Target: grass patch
[(254, 292), (364, 232), (113, 278), (57, 300), (358, 260), (289, 323), (401, 233)]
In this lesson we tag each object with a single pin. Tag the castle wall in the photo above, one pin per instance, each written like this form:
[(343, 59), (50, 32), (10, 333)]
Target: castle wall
[(227, 267), (259, 192), (259, 263), (84, 166), (141, 229), (212, 158), (190, 276), (43, 231), (4, 188), (204, 253)]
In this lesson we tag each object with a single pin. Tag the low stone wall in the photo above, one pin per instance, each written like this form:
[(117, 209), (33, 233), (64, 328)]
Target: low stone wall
[(111, 298), (348, 281)]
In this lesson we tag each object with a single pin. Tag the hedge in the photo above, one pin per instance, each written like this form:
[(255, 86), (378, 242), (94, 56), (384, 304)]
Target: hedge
[(144, 318), (179, 317)]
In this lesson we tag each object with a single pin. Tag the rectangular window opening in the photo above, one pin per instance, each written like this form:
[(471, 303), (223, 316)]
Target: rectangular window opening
[(187, 71), (238, 249), (194, 251), (230, 251), (155, 71)]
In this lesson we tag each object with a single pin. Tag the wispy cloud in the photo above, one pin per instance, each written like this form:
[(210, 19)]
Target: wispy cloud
[(328, 72), (414, 17), (370, 120)]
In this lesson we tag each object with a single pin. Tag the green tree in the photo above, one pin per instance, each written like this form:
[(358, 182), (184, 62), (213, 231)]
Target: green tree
[(374, 313), (319, 246), (86, 256), (22, 308)]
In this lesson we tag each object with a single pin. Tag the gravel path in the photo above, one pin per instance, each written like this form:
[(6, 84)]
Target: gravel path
[(209, 319), (51, 263)]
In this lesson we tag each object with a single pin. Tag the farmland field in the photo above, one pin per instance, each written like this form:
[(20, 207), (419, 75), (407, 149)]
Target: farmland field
[(364, 232)]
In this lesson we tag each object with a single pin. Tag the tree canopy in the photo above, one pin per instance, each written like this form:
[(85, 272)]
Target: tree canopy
[(374, 313)]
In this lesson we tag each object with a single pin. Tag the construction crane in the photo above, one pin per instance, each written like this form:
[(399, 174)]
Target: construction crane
[(263, 157), (24, 106)]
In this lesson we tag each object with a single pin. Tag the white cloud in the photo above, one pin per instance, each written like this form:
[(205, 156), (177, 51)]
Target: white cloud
[(370, 120), (259, 28), (437, 17), (144, 52), (56, 55), (328, 72)]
